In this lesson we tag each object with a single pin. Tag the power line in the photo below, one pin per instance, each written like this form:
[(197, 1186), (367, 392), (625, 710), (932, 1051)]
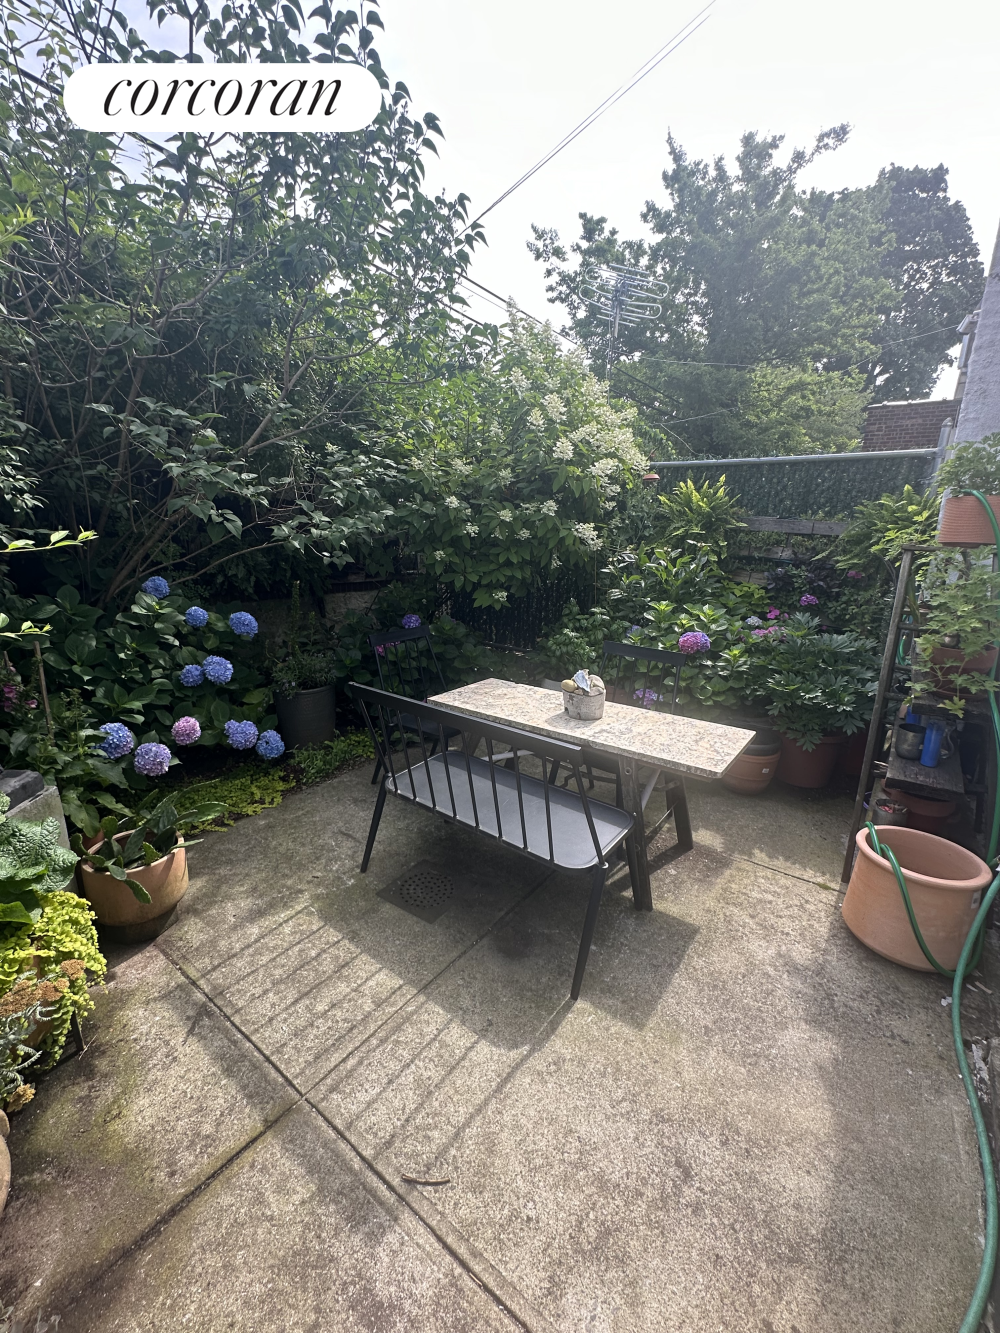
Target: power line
[(678, 39)]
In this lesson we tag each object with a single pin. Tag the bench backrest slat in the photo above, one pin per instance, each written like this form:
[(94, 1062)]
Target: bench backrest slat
[(400, 725)]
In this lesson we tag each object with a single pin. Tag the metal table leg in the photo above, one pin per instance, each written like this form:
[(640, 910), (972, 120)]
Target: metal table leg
[(632, 802)]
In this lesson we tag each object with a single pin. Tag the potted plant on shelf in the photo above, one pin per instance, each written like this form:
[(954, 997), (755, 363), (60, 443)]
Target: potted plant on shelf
[(971, 467), (818, 687), (135, 872), (955, 652), (303, 673)]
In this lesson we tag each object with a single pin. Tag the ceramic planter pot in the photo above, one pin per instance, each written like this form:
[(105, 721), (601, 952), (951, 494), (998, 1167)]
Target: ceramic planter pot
[(945, 883), (964, 522), (119, 913), (947, 663), (753, 770), (930, 814), (584, 707), (852, 756), (809, 768), (308, 717)]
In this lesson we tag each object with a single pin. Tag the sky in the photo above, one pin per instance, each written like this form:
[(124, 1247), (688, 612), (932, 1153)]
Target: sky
[(916, 80)]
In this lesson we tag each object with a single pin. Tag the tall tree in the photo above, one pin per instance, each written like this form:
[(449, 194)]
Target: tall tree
[(792, 303), (937, 278)]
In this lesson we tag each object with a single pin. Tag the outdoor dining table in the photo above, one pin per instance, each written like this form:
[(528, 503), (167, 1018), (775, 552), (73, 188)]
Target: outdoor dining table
[(634, 736)]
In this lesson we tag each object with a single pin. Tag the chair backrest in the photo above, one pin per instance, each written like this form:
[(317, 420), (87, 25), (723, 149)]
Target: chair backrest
[(467, 789), (642, 677), (406, 662)]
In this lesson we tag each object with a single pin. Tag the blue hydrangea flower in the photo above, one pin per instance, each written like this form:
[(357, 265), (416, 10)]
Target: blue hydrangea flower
[(192, 675), (157, 587), (753, 621), (242, 735), (411, 621), (219, 670), (270, 745), (152, 760), (243, 624), (118, 741), (196, 617)]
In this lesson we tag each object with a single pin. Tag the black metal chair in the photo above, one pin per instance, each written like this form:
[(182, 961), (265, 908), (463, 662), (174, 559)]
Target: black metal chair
[(645, 678), (564, 828), (408, 666)]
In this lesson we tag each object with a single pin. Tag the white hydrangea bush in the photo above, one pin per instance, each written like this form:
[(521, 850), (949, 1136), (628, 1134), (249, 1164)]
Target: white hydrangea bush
[(528, 476)]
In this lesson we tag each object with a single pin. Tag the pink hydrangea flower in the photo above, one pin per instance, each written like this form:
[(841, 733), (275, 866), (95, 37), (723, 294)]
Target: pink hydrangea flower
[(773, 613)]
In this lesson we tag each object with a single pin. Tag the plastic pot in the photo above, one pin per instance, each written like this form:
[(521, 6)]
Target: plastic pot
[(809, 768), (945, 883), (753, 770), (308, 717), (964, 522), (119, 912)]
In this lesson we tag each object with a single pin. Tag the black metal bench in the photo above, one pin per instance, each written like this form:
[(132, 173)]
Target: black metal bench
[(522, 810)]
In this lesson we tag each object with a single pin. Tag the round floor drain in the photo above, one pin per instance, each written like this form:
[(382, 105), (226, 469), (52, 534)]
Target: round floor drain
[(425, 889)]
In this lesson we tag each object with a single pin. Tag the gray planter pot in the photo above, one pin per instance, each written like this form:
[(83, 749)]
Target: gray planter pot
[(307, 718)]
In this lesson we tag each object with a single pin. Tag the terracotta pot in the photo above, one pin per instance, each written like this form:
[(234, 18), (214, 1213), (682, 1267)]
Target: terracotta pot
[(927, 813), (852, 756), (752, 771), (945, 883), (120, 913), (809, 768), (964, 522), (308, 717), (947, 663)]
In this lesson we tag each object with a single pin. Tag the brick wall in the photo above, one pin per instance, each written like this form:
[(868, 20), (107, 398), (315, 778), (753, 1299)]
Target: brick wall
[(907, 425)]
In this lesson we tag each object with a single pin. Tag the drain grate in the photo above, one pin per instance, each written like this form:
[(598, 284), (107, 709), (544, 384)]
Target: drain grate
[(423, 891)]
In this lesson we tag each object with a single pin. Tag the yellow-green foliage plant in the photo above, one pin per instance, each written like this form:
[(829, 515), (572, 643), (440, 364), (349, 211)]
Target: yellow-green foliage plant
[(48, 946)]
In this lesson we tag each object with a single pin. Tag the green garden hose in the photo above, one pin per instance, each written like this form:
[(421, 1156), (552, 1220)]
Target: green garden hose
[(967, 959)]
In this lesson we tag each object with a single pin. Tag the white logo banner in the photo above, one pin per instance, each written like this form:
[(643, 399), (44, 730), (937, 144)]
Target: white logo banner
[(327, 99)]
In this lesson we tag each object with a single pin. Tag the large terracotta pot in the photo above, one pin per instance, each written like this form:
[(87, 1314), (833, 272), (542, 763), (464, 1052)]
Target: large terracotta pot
[(120, 913), (308, 717), (964, 521), (809, 768), (852, 756), (753, 770), (945, 883)]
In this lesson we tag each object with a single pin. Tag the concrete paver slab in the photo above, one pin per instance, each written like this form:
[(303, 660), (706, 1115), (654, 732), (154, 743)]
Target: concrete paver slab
[(792, 829), (285, 933), (295, 1236), (165, 1094), (748, 1121)]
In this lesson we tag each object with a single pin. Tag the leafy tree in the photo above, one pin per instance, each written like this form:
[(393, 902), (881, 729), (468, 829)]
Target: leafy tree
[(195, 335), (781, 297), (937, 279)]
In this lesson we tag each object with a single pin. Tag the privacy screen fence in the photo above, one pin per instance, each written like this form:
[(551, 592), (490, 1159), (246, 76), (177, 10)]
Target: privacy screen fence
[(810, 485)]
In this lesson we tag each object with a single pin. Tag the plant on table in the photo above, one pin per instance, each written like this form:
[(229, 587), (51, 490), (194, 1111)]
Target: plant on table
[(959, 626)]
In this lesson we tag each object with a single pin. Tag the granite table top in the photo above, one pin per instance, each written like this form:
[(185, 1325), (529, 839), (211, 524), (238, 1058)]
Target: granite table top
[(701, 749)]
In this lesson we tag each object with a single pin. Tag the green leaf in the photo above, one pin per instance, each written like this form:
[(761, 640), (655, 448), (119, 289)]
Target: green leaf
[(138, 891)]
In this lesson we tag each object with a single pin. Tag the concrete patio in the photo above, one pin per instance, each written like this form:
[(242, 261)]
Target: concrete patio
[(747, 1122)]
